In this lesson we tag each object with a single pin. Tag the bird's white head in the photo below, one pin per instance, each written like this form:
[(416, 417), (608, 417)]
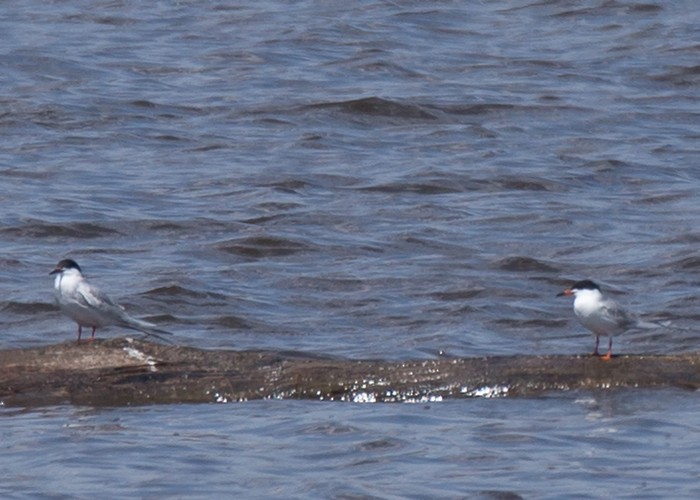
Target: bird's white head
[(66, 266), (66, 271)]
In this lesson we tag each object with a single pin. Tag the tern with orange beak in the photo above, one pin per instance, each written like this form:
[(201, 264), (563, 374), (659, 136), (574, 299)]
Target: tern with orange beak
[(601, 315)]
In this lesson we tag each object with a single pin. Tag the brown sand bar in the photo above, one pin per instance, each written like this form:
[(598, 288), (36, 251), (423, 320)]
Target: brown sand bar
[(125, 371)]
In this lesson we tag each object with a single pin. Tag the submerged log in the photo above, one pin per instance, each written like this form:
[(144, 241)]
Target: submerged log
[(125, 371)]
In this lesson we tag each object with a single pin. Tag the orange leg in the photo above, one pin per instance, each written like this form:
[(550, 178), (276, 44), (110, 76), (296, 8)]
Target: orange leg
[(608, 355)]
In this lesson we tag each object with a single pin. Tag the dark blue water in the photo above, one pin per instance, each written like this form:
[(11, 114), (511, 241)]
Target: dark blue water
[(368, 180), (620, 445)]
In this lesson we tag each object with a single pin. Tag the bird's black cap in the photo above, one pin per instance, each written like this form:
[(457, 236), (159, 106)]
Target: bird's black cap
[(579, 285), (585, 285), (66, 264)]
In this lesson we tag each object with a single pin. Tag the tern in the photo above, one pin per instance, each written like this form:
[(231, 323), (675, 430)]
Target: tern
[(88, 306), (602, 315)]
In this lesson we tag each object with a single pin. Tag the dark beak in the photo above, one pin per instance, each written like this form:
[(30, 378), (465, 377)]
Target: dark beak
[(57, 270)]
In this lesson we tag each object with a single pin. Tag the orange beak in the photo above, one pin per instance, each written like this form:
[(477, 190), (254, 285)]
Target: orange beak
[(565, 293)]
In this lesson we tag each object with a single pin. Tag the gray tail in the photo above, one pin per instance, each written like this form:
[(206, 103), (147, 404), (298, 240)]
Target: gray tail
[(667, 324), (650, 325), (146, 328)]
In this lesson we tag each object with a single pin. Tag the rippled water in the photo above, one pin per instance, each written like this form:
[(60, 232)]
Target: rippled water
[(367, 180), (588, 446)]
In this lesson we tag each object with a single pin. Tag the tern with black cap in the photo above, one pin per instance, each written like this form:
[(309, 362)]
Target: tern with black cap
[(601, 315), (88, 306)]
